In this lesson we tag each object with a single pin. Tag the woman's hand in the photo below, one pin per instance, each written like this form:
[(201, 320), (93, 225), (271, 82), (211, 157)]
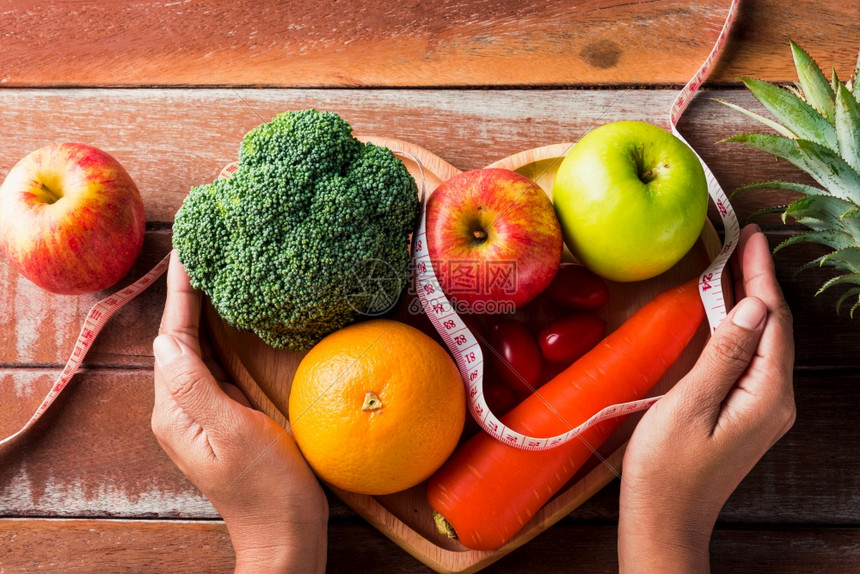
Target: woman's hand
[(692, 449), (241, 460)]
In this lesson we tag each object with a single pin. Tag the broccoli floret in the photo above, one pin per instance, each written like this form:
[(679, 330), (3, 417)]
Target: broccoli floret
[(309, 233)]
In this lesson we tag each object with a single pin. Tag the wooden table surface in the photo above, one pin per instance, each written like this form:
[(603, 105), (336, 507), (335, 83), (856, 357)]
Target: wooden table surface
[(170, 88)]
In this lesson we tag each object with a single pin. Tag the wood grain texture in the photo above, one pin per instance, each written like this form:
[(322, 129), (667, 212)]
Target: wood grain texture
[(145, 128), (170, 140), (84, 546), (372, 43), (74, 546), (94, 455), (37, 327)]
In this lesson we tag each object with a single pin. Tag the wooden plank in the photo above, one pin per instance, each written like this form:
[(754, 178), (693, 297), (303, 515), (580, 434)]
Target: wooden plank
[(114, 546), (781, 488), (170, 140), (146, 129), (189, 546), (593, 549), (451, 43), (822, 336), (94, 455), (37, 327)]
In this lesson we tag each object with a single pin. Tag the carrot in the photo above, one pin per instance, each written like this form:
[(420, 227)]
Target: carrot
[(488, 490)]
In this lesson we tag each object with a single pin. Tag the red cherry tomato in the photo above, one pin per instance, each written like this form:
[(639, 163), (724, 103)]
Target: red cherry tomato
[(575, 287), (567, 339), (551, 370), (515, 356), (499, 397)]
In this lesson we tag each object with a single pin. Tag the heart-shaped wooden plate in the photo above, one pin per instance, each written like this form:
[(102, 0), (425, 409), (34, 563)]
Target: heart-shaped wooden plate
[(265, 374)]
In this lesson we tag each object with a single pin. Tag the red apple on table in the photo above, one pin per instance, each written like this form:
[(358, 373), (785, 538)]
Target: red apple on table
[(71, 219), (493, 238)]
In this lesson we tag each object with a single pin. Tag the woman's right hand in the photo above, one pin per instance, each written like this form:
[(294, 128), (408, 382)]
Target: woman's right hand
[(695, 445)]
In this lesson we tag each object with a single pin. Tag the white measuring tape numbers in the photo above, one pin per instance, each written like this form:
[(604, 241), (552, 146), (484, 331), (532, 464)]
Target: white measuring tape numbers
[(96, 319), (465, 347)]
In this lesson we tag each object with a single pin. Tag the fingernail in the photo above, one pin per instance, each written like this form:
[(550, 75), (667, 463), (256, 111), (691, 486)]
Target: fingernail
[(166, 348), (749, 314)]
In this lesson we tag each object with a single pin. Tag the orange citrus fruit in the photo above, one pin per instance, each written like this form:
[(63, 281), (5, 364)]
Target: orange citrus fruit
[(377, 407)]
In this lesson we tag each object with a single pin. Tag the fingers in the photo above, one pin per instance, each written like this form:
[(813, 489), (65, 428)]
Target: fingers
[(759, 280), (182, 374), (757, 273), (737, 257), (236, 394), (723, 361), (182, 308)]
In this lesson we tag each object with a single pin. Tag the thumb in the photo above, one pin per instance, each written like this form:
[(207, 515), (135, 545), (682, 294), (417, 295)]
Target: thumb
[(182, 374), (724, 359)]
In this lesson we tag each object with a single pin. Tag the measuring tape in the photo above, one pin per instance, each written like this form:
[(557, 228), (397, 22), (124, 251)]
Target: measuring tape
[(96, 319), (458, 338), (466, 350)]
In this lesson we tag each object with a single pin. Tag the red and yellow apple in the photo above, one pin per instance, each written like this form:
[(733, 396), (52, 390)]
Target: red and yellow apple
[(492, 236), (71, 219)]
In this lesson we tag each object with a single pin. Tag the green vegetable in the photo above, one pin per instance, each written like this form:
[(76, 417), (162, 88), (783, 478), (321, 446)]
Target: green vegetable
[(309, 233), (819, 126)]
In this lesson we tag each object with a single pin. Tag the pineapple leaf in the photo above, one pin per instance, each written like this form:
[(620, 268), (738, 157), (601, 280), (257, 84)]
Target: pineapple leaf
[(794, 89), (813, 224), (823, 165), (817, 262), (795, 114), (830, 170), (848, 127), (777, 127), (784, 185), (833, 239), (847, 278), (851, 223), (847, 258), (817, 90), (834, 82), (854, 291), (857, 79), (768, 211), (774, 145), (824, 208)]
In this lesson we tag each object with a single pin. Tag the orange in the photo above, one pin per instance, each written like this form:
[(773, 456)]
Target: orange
[(377, 407)]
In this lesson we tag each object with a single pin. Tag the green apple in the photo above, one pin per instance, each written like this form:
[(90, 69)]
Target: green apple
[(631, 199)]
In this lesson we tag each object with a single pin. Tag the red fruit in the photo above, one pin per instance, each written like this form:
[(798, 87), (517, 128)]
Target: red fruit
[(71, 219), (494, 239), (515, 356), (567, 339), (499, 397), (575, 287)]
